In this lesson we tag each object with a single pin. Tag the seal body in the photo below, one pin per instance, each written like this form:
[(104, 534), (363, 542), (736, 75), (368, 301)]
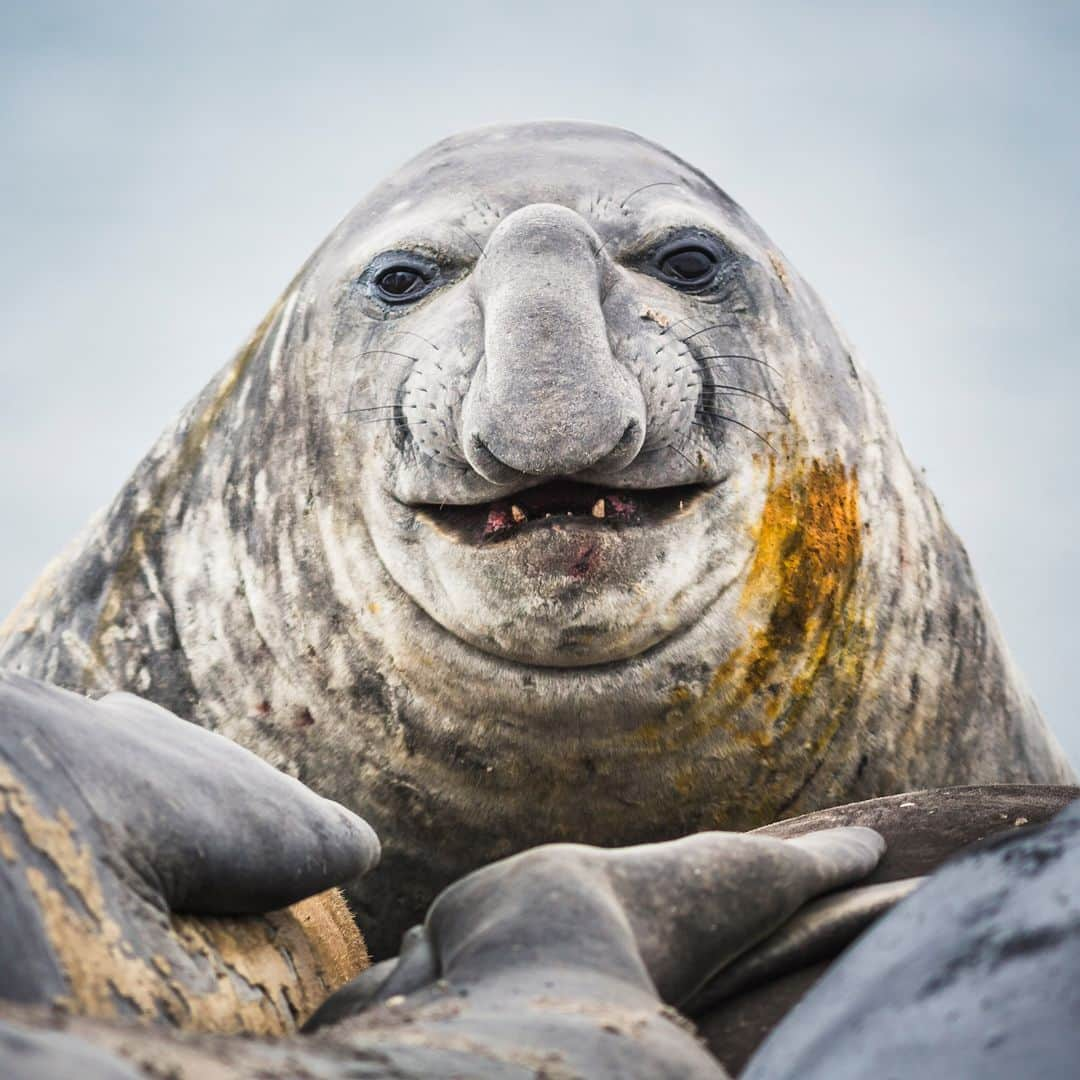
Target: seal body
[(547, 503), (973, 976), (922, 830), (157, 873)]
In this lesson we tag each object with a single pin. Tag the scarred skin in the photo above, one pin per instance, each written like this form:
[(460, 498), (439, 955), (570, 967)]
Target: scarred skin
[(801, 630)]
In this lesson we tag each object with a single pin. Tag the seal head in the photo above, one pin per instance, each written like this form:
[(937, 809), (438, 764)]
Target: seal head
[(548, 503), (547, 431)]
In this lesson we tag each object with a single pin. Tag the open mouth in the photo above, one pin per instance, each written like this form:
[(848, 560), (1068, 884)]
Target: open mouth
[(562, 503)]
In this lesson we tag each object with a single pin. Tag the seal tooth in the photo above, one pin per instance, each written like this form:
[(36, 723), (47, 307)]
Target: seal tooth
[(599, 509), (517, 514)]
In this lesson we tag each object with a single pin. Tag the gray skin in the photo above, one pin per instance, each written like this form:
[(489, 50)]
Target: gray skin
[(564, 961), (322, 560), (922, 830), (974, 976), (556, 962)]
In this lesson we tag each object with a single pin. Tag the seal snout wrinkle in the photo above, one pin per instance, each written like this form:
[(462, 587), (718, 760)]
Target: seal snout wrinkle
[(549, 397)]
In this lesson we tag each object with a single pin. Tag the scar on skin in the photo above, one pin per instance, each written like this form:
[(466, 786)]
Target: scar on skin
[(583, 562)]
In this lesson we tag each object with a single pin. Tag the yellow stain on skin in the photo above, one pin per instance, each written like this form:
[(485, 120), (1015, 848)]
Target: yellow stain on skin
[(658, 317), (803, 628), (781, 271), (808, 548)]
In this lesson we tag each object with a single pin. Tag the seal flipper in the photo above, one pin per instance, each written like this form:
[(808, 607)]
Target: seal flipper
[(283, 842)]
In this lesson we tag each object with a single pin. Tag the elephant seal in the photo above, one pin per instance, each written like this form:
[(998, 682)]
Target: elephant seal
[(547, 503)]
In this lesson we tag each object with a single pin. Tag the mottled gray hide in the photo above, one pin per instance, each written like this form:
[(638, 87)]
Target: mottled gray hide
[(119, 823), (754, 608)]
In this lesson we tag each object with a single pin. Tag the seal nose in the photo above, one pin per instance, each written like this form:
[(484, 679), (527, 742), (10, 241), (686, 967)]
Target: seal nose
[(548, 398)]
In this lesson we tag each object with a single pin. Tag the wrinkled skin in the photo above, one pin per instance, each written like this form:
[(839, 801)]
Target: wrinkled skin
[(972, 976), (529, 962), (327, 558)]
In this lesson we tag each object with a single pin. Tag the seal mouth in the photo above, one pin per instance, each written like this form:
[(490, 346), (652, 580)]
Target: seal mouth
[(562, 503)]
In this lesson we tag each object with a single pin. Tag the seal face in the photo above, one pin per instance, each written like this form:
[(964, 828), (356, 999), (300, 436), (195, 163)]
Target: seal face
[(547, 503), (547, 422)]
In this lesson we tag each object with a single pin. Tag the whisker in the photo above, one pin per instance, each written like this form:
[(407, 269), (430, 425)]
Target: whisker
[(383, 419), (737, 423), (388, 352), (735, 356), (704, 330), (596, 253), (413, 333), (645, 187), (750, 393), (372, 408), (679, 322), (672, 446), (688, 351), (710, 411), (685, 340), (476, 243), (391, 416)]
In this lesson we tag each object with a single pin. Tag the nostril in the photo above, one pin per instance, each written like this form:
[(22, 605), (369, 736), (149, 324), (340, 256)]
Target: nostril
[(489, 466), (625, 450), (629, 437)]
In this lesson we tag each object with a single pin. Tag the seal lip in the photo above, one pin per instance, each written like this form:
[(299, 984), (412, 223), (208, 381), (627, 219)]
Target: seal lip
[(560, 503)]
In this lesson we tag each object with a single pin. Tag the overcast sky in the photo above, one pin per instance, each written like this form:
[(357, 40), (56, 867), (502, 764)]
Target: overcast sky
[(167, 167)]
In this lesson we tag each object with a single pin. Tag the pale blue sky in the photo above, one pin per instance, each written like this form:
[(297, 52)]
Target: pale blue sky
[(167, 167)]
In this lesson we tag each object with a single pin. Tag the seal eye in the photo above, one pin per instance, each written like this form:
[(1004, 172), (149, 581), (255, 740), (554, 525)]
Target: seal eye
[(397, 284), (688, 267)]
